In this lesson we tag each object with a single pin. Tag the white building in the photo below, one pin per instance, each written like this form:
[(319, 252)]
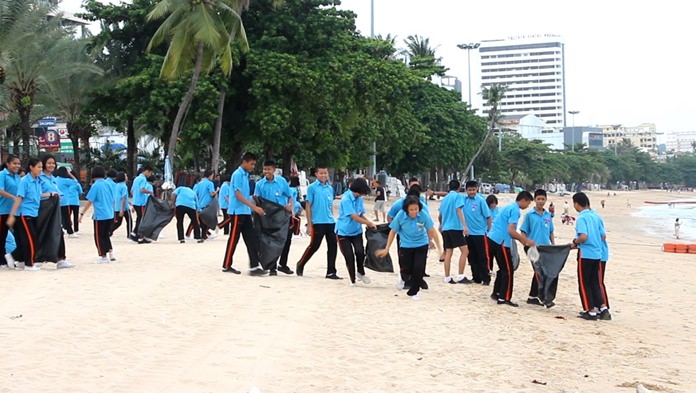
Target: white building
[(532, 68), (531, 127), (680, 142)]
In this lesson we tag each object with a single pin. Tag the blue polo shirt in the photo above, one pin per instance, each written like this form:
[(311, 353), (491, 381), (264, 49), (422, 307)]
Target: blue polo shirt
[(494, 213), (112, 187), (321, 197), (239, 182), (225, 195), (538, 227), (603, 232), (9, 182), (448, 211), (71, 190), (203, 190), (139, 198), (476, 213), (588, 222), (349, 205), (49, 183), (186, 197), (398, 206), (29, 190), (102, 198), (121, 193), (413, 232), (510, 214), (296, 205), (276, 190)]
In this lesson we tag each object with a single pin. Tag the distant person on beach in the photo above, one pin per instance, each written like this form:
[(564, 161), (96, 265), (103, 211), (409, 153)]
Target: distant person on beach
[(380, 200), (552, 209), (628, 203), (566, 208), (677, 224), (602, 202)]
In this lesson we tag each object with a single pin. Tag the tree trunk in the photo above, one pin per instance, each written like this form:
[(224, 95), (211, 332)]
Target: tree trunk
[(471, 162), (75, 139), (25, 129), (88, 156), (131, 149), (215, 162), (185, 103), (286, 155)]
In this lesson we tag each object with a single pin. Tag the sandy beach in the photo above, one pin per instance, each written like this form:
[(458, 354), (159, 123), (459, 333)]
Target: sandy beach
[(164, 318)]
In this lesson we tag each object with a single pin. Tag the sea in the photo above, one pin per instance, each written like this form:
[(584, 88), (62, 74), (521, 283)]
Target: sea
[(662, 218)]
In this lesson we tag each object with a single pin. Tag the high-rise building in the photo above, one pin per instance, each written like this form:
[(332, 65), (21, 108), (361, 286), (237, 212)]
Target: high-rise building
[(532, 68)]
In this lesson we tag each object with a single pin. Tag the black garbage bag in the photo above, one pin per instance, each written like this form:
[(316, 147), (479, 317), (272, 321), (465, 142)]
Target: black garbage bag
[(377, 239), (209, 215), (551, 261), (49, 230), (272, 231), (157, 215)]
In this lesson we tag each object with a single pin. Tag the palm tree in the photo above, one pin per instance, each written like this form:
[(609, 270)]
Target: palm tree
[(422, 58), (493, 95), (200, 33)]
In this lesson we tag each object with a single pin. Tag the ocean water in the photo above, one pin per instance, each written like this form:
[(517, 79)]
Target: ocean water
[(662, 219)]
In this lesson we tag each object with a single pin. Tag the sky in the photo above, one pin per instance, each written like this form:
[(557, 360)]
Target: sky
[(626, 62)]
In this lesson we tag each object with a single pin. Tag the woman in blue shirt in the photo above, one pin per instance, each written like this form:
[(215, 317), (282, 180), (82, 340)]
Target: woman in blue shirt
[(225, 203), (415, 229), (351, 211), (121, 207), (70, 188), (101, 196), (9, 181), (49, 185), (186, 203)]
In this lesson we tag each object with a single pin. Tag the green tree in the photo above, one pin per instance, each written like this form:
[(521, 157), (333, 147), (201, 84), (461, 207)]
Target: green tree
[(493, 95), (422, 58)]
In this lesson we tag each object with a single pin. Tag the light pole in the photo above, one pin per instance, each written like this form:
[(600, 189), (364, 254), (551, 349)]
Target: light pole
[(372, 35), (468, 48), (616, 141), (573, 113)]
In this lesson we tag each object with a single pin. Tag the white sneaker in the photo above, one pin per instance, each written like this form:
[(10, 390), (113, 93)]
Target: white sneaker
[(101, 260), (32, 268), (212, 236), (4, 267), (365, 279), (11, 263), (415, 297), (112, 256), (188, 237), (19, 265), (400, 284), (73, 235), (64, 264)]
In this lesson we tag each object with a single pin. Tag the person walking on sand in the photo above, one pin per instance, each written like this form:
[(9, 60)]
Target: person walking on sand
[(479, 221), (102, 197), (454, 231), (351, 217), (380, 200), (677, 225)]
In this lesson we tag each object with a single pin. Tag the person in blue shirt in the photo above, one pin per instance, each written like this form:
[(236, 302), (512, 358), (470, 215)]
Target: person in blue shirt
[(140, 191), (320, 223), (500, 238), (186, 204), (9, 182), (121, 205), (603, 266), (240, 209), (25, 210), (225, 203), (351, 218), (74, 202), (589, 239), (49, 185), (398, 204), (205, 192), (479, 221), (454, 229), (415, 229), (70, 188), (538, 226), (492, 202), (276, 189), (101, 196)]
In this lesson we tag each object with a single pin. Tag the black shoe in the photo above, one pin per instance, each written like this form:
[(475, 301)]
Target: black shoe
[(464, 280), (133, 238), (299, 270), (182, 241), (231, 270), (586, 315), (426, 275), (486, 283), (333, 276), (494, 296), (507, 302), (273, 273), (605, 315), (477, 281), (200, 241), (549, 304), (143, 241), (407, 285), (535, 301), (257, 271), (285, 269), (423, 284)]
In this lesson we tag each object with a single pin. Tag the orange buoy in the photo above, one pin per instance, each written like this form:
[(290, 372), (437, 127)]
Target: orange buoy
[(669, 247), (681, 248)]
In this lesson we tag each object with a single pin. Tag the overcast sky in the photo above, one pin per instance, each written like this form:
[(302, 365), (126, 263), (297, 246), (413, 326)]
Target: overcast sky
[(627, 62)]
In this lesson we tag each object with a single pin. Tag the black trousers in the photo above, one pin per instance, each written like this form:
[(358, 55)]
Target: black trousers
[(353, 251), (505, 277), (412, 262), (479, 258), (3, 237), (181, 212), (602, 269), (588, 283), (75, 211), (139, 213), (286, 248), (65, 215), (25, 236), (322, 231), (118, 220), (225, 223), (242, 224), (102, 236)]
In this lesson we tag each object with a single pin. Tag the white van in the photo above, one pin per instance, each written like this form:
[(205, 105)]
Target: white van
[(486, 188)]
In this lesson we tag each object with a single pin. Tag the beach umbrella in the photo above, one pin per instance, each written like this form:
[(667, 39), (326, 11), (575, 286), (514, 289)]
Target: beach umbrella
[(168, 183)]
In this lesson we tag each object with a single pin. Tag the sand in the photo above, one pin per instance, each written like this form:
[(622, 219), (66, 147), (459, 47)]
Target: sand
[(165, 319)]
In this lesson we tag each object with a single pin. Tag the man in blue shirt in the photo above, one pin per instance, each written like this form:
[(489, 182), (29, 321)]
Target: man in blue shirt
[(276, 189), (320, 223), (453, 228), (101, 196), (239, 211), (590, 237), (479, 221), (225, 203), (141, 192), (205, 192), (186, 204), (500, 238), (538, 226)]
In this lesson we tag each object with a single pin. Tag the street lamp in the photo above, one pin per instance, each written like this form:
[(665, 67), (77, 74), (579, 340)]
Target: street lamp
[(468, 48), (372, 35), (573, 113), (616, 142)]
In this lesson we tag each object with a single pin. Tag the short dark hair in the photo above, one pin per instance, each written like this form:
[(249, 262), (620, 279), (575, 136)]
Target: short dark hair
[(454, 185), (225, 178), (32, 163), (411, 200), (524, 196), (320, 166), (98, 172), (269, 163), (472, 183), (146, 167), (152, 179), (294, 181), (62, 172), (413, 180), (414, 190), (120, 177), (539, 192), (491, 199), (248, 156), (207, 173), (581, 199), (111, 173), (360, 186)]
